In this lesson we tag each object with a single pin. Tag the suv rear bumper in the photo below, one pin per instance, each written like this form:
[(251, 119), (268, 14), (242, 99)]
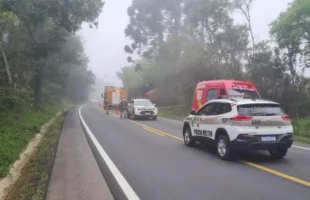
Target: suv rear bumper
[(284, 141)]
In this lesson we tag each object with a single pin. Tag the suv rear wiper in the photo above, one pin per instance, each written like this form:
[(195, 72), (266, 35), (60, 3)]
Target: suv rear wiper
[(270, 114)]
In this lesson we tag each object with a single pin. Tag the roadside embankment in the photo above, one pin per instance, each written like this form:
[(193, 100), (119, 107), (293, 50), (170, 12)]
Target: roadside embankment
[(21, 134)]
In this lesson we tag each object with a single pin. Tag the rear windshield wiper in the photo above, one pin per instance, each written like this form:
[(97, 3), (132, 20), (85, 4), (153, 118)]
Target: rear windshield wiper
[(270, 114)]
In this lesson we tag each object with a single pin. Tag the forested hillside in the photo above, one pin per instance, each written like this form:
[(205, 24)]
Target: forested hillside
[(43, 67), (42, 59), (176, 43)]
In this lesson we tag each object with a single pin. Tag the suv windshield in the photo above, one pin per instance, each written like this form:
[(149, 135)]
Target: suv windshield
[(260, 110), (243, 92), (143, 102)]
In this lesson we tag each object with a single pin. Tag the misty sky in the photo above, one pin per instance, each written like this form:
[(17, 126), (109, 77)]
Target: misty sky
[(105, 45)]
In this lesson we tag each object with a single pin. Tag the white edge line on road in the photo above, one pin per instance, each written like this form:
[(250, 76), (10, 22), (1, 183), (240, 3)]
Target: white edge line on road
[(171, 120), (295, 146), (127, 189), (299, 147)]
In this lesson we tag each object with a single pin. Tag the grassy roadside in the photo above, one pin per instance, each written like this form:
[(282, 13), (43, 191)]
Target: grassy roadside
[(17, 129), (302, 129), (34, 179), (177, 113), (301, 125)]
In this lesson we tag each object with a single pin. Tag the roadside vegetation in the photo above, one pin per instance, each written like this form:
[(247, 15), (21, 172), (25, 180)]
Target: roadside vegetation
[(16, 130), (34, 179), (180, 43), (43, 67)]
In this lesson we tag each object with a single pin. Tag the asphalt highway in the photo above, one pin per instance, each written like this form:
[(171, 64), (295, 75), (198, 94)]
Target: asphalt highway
[(153, 159)]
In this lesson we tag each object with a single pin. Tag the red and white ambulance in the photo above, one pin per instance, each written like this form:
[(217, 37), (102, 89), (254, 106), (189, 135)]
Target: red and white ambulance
[(208, 90)]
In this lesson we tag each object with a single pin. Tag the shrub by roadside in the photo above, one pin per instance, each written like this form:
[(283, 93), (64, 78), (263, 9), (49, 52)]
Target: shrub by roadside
[(301, 125)]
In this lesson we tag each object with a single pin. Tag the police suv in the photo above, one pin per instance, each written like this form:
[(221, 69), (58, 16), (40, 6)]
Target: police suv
[(240, 124)]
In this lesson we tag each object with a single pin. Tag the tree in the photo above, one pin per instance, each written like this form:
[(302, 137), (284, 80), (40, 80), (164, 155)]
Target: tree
[(245, 7), (149, 23), (291, 31), (7, 20), (43, 60), (48, 23)]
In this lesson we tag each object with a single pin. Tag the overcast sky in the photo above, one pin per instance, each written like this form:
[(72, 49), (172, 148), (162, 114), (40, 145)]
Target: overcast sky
[(105, 45)]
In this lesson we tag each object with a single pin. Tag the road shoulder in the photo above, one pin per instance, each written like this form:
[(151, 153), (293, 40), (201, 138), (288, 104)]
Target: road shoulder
[(75, 173)]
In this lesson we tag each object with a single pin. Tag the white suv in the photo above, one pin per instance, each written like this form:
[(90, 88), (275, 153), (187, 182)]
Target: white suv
[(240, 124), (138, 108)]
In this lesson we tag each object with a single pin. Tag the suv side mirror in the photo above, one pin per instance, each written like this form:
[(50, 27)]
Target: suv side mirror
[(193, 112), (154, 104)]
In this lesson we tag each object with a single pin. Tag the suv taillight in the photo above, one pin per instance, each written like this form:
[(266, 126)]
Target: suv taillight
[(286, 117), (241, 118)]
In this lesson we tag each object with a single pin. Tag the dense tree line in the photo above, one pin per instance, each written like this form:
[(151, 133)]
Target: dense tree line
[(176, 43), (42, 60)]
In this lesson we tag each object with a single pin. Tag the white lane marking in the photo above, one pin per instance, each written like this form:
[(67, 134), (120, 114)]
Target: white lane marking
[(127, 189), (299, 147), (171, 120)]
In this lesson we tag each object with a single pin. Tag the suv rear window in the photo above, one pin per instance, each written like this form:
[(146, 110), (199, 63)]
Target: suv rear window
[(260, 110), (243, 92)]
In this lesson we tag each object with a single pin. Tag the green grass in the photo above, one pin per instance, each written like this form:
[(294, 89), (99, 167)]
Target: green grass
[(177, 113), (301, 125), (302, 129), (17, 129), (33, 182)]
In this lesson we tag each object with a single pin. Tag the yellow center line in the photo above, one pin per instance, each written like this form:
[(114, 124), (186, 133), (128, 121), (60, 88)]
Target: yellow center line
[(271, 171), (257, 166), (166, 134), (152, 131), (274, 172)]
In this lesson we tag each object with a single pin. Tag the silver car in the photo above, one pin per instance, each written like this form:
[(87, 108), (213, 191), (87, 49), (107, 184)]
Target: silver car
[(142, 108)]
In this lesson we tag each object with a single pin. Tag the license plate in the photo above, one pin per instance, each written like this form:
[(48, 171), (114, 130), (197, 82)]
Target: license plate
[(268, 138), (147, 113)]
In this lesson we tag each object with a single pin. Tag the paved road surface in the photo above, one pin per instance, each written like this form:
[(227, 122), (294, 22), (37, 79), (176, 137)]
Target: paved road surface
[(157, 165)]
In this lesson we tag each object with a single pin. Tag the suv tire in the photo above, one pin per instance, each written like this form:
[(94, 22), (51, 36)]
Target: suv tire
[(187, 137), (278, 153), (222, 147)]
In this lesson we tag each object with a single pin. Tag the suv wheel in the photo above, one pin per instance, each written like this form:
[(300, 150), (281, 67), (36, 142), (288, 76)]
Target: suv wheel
[(187, 136), (223, 150), (278, 153)]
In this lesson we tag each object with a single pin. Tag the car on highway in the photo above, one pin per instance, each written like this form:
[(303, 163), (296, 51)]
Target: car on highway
[(142, 108), (240, 125)]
